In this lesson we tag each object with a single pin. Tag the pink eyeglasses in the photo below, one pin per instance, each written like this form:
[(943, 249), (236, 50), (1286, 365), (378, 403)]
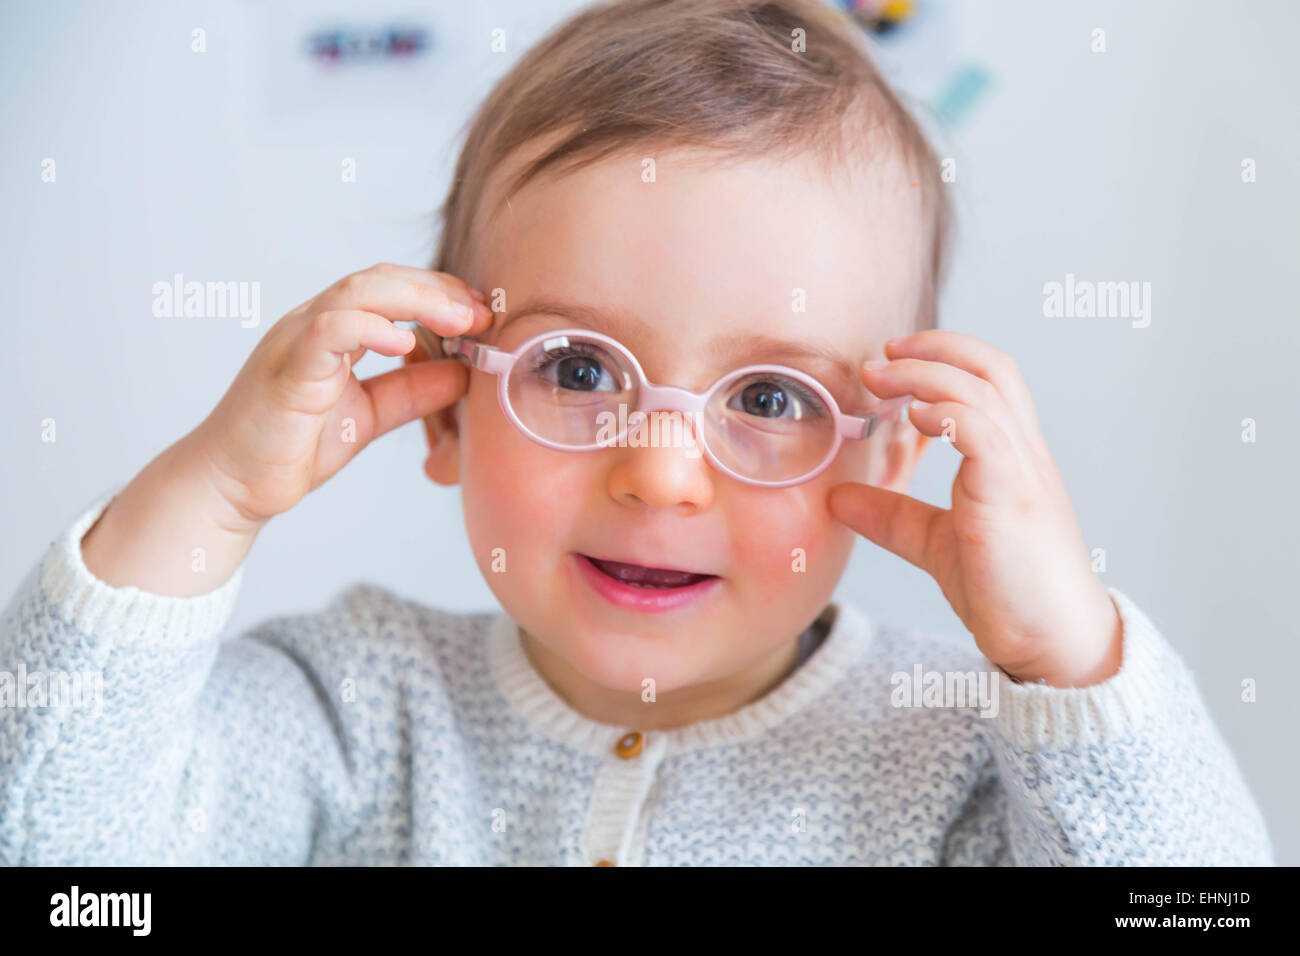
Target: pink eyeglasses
[(575, 390)]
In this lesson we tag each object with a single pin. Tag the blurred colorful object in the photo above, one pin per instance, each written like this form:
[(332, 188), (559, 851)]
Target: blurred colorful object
[(879, 16), (924, 57), (963, 90), (353, 45)]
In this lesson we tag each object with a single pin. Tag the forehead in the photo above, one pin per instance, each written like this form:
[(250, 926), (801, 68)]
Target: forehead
[(700, 249)]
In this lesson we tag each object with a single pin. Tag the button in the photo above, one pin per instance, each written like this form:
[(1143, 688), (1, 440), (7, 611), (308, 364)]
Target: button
[(629, 745), (602, 863)]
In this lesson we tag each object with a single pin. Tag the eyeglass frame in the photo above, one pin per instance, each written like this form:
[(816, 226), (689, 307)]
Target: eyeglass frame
[(656, 397)]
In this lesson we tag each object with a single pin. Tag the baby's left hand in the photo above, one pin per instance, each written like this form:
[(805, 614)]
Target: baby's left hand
[(1009, 555)]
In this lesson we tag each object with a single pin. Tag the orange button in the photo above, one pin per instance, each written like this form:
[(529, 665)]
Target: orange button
[(602, 863), (629, 745)]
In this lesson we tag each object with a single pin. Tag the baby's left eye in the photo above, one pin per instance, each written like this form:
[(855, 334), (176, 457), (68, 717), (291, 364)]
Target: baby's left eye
[(775, 397)]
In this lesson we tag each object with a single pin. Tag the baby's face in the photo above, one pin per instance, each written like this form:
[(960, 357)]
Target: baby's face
[(696, 257)]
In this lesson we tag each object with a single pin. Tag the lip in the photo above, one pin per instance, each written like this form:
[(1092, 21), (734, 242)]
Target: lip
[(633, 598)]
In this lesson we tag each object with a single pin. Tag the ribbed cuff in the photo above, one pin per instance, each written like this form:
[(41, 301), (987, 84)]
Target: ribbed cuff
[(125, 615), (1036, 716)]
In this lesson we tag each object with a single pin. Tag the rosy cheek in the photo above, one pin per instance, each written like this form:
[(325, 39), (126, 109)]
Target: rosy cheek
[(518, 495), (785, 541), (498, 510)]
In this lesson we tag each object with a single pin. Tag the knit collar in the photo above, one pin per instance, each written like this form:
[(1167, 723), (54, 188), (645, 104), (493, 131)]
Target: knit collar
[(551, 716)]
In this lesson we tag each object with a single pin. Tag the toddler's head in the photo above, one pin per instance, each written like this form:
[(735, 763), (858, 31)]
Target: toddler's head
[(714, 185)]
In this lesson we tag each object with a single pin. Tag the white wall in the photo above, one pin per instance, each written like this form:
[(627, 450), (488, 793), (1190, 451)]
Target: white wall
[(1123, 165)]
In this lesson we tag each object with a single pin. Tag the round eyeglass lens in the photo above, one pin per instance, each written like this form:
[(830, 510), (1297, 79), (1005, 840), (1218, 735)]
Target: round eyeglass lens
[(769, 427), (568, 389)]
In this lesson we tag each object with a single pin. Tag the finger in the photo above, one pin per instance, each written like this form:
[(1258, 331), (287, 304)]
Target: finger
[(315, 353), (399, 299), (936, 382), (462, 287), (975, 356), (453, 285), (896, 522), (992, 463), (414, 391)]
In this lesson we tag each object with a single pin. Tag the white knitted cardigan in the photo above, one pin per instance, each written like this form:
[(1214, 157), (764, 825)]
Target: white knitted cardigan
[(377, 730)]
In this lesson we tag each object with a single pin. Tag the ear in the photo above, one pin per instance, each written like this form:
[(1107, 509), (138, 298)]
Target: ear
[(442, 428), (903, 453)]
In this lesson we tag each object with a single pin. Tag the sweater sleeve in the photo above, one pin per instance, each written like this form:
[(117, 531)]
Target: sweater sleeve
[(131, 735), (1131, 771)]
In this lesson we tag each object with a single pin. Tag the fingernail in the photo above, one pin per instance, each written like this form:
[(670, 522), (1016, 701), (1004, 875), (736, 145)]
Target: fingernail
[(478, 295), (918, 404), (875, 364)]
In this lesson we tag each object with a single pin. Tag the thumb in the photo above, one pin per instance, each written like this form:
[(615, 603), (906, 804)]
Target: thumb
[(414, 391), (896, 522)]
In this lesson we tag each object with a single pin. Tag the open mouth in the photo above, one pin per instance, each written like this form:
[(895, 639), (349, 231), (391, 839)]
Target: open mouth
[(635, 587), (651, 579)]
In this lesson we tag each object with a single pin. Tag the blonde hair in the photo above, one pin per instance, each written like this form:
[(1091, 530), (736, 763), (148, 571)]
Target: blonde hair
[(715, 74)]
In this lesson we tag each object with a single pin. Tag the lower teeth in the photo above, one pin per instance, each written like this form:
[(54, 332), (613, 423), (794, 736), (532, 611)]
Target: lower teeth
[(653, 587)]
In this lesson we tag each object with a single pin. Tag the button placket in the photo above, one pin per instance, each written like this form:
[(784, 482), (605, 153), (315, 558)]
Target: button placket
[(614, 827)]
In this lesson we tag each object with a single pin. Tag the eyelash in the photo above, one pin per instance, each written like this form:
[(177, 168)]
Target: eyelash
[(551, 356), (809, 398), (801, 392)]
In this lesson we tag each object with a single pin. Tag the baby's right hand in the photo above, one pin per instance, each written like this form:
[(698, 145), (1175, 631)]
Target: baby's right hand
[(296, 413)]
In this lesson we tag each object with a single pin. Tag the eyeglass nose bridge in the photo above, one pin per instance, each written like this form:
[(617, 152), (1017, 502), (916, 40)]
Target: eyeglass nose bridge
[(670, 398)]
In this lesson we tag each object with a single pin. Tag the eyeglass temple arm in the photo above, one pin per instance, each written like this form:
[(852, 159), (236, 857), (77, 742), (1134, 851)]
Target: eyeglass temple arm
[(862, 426), (482, 357)]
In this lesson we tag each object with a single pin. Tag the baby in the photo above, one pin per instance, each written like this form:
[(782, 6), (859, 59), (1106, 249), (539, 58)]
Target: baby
[(716, 213)]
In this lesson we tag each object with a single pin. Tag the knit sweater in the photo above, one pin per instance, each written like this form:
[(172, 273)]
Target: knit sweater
[(377, 730)]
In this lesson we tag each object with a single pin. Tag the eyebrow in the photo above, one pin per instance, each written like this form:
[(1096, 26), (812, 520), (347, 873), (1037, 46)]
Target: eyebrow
[(758, 348)]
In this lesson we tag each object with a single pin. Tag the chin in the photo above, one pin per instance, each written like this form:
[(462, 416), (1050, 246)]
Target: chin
[(622, 663)]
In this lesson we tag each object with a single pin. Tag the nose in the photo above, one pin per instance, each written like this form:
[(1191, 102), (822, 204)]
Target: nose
[(662, 474)]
